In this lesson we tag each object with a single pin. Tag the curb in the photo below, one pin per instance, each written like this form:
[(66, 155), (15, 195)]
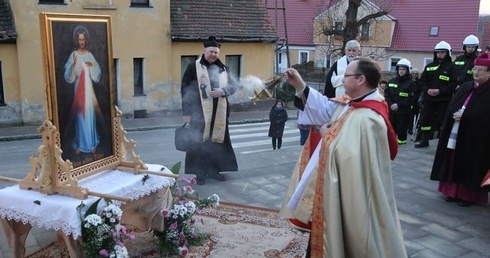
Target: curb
[(134, 129)]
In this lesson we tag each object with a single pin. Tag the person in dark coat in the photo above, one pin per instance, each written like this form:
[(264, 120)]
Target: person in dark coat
[(206, 84), (462, 157), (278, 117)]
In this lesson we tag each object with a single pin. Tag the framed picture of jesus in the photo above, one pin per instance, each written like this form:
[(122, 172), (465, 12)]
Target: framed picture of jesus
[(80, 93)]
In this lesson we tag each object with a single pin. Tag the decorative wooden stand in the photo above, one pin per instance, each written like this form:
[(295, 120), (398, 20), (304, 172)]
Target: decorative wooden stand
[(58, 176)]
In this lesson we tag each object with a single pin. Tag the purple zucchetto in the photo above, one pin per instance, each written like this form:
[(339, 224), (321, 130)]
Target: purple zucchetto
[(483, 60), (211, 42)]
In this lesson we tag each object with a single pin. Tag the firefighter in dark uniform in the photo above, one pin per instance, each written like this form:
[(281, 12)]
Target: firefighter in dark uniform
[(400, 95), (465, 62), (438, 82)]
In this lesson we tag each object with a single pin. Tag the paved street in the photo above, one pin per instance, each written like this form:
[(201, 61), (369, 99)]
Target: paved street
[(431, 226)]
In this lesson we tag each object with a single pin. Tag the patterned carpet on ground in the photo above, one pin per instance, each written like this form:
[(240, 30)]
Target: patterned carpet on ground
[(236, 231)]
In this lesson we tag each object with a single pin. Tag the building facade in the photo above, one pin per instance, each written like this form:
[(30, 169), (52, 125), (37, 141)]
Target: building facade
[(148, 57)]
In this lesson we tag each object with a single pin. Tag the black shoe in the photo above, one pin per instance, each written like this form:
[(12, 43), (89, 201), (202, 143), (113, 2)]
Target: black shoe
[(464, 203), (422, 144), (450, 199), (201, 181)]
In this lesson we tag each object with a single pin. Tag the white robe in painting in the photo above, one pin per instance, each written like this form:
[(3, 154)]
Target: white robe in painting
[(86, 137)]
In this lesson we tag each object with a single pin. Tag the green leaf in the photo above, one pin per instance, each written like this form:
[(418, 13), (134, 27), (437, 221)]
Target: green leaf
[(176, 168), (93, 208)]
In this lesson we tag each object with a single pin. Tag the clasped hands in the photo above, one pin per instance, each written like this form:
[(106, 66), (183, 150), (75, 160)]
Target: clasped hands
[(216, 93), (433, 92), (457, 115)]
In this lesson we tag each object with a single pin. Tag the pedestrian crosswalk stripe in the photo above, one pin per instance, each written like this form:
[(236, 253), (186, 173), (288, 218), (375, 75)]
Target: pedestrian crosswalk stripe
[(249, 124), (254, 128), (262, 134), (263, 142)]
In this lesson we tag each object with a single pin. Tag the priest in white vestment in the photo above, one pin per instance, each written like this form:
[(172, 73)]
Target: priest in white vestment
[(345, 190)]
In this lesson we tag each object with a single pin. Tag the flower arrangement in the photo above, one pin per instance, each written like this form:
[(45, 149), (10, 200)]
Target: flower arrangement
[(102, 234), (180, 232)]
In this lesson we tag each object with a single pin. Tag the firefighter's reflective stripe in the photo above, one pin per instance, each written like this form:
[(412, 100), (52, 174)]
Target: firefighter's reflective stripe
[(393, 85), (469, 71), (432, 68), (403, 94), (402, 141), (444, 77), (459, 62), (425, 128)]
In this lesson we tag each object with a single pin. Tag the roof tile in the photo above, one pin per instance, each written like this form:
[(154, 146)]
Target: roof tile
[(456, 19), (227, 20), (7, 25)]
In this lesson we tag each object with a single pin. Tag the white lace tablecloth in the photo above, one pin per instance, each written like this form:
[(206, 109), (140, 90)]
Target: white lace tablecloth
[(60, 212)]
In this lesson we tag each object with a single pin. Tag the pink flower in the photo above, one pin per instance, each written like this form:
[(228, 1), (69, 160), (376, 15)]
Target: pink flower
[(173, 226), (132, 237), (165, 213), (183, 251), (189, 190), (178, 191), (193, 180), (123, 229), (186, 180), (104, 253)]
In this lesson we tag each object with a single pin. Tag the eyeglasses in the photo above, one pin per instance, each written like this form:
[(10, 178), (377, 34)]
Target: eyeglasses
[(349, 75), (474, 69)]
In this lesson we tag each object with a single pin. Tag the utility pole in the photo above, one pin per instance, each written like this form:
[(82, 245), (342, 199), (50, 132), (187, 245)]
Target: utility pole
[(283, 41)]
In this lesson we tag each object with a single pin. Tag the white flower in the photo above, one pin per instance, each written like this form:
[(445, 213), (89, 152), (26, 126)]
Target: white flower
[(191, 207), (93, 219), (113, 209), (214, 198), (121, 251)]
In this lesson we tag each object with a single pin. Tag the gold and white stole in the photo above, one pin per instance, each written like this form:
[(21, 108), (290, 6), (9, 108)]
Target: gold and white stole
[(219, 127)]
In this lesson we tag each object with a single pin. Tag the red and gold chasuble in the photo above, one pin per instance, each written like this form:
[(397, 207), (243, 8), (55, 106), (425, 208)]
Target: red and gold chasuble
[(318, 213)]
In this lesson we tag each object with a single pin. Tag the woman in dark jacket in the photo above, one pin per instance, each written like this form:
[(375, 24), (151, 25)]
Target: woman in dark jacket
[(278, 117)]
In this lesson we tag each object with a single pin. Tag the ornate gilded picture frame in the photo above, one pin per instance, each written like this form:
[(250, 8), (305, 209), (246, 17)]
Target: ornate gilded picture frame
[(77, 51)]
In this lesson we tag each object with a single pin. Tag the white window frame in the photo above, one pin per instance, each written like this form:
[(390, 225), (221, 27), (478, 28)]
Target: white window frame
[(300, 61), (392, 68)]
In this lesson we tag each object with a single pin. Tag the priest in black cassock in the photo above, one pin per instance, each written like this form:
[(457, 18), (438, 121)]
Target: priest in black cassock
[(206, 84)]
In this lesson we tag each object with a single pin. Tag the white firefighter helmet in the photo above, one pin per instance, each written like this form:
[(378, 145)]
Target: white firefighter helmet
[(404, 63), (443, 45), (471, 41)]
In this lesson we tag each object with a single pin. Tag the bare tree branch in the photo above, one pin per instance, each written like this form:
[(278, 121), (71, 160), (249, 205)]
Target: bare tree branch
[(371, 16)]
